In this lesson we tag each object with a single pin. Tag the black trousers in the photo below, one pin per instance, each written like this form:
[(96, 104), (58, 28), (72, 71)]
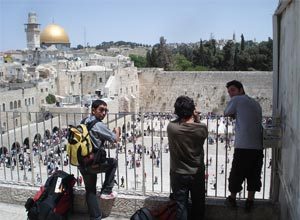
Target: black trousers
[(183, 185), (89, 174), (246, 164)]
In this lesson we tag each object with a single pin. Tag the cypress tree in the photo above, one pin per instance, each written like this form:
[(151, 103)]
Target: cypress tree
[(242, 42)]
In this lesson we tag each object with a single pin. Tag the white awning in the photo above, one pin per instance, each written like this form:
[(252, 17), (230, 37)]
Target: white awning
[(59, 97)]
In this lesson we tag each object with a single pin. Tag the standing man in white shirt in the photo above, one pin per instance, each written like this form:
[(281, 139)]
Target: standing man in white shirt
[(248, 154)]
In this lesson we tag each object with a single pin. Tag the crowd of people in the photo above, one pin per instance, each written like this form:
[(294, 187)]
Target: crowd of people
[(186, 136)]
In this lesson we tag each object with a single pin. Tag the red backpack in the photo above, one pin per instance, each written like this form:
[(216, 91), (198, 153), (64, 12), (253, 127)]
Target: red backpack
[(164, 212), (54, 200)]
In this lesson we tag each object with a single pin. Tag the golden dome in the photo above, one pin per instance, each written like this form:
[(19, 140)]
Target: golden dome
[(54, 34)]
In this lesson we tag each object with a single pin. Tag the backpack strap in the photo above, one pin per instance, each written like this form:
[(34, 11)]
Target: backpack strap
[(142, 214), (91, 124)]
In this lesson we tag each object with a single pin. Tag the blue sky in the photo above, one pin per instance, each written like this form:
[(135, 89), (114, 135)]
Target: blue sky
[(140, 21)]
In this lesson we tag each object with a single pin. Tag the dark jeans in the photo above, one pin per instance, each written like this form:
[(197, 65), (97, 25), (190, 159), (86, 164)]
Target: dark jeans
[(89, 175), (182, 185)]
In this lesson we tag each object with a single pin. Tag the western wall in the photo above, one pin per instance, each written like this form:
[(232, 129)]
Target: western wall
[(159, 89)]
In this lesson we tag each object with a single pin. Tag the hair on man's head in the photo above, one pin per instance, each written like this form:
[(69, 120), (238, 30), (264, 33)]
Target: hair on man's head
[(184, 106), (98, 102), (235, 83)]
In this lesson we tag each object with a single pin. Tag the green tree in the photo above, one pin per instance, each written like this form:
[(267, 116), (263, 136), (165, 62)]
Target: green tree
[(199, 55), (236, 58), (148, 59), (228, 55), (151, 58), (163, 54), (50, 99), (185, 50), (265, 49), (181, 63), (139, 61), (242, 42), (79, 46), (244, 61)]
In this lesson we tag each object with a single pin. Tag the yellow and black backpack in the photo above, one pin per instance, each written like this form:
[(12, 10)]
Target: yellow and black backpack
[(79, 142)]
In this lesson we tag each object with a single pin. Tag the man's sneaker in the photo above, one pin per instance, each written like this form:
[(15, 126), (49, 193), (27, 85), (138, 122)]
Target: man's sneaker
[(108, 195), (230, 202), (248, 205)]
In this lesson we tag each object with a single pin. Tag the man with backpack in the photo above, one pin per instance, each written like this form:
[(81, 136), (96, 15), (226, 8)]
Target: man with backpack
[(97, 161)]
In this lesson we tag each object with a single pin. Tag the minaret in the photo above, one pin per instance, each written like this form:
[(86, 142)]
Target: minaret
[(32, 32)]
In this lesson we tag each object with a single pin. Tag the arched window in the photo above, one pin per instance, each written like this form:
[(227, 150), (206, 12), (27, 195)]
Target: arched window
[(15, 105), (19, 103), (32, 100), (11, 105), (3, 107), (25, 102)]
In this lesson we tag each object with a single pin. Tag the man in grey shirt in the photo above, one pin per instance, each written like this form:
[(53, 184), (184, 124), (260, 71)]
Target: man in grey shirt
[(98, 162), (248, 154)]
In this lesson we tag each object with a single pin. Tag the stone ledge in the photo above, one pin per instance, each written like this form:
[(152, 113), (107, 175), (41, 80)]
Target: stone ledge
[(126, 204)]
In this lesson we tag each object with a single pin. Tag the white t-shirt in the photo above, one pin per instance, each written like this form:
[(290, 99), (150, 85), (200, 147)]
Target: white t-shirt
[(248, 127)]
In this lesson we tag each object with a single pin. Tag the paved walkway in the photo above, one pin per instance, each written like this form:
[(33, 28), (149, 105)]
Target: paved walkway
[(17, 212)]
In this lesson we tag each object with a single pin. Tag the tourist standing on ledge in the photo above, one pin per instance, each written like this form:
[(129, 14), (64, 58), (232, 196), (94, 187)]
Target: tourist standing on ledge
[(99, 134), (186, 138), (248, 153)]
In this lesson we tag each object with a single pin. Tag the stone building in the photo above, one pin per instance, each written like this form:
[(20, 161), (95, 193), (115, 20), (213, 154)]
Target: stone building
[(127, 88), (286, 105), (18, 97), (93, 79)]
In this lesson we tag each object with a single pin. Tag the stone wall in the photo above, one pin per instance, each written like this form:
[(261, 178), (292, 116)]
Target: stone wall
[(159, 89), (287, 105), (128, 89)]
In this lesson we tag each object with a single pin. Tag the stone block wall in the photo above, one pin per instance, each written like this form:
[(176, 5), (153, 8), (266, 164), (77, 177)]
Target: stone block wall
[(159, 89)]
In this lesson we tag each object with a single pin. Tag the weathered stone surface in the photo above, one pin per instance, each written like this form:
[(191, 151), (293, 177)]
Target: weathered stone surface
[(159, 89)]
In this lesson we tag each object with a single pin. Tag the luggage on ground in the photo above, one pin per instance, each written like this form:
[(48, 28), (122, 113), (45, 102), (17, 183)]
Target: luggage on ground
[(54, 200), (164, 212)]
